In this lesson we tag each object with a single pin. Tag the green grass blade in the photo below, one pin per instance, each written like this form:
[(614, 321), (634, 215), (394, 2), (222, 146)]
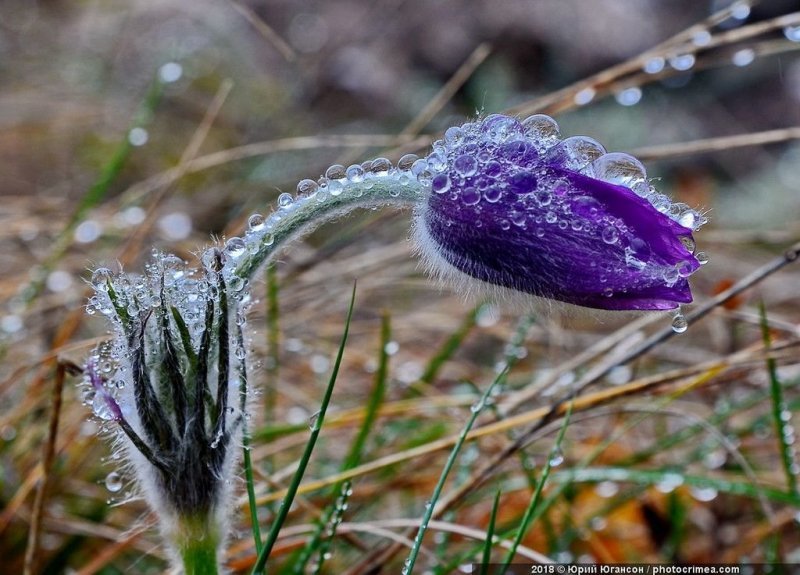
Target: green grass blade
[(333, 522), (356, 449), (247, 462), (448, 349), (375, 399), (661, 476), (487, 547), (431, 505), (273, 342), (283, 511), (527, 519), (780, 412)]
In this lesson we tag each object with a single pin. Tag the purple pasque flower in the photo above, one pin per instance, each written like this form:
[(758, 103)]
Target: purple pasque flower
[(170, 384), (517, 207)]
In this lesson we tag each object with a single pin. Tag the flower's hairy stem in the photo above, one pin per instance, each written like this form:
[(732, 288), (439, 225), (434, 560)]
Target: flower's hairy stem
[(197, 542), (300, 215)]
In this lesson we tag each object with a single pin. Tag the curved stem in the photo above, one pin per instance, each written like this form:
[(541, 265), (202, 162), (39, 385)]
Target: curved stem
[(301, 215)]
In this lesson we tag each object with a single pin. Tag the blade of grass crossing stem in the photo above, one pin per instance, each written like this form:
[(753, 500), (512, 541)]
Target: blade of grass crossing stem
[(247, 462), (375, 399), (335, 519), (273, 341), (283, 511), (475, 410), (487, 547), (780, 412), (356, 449), (448, 349), (527, 518)]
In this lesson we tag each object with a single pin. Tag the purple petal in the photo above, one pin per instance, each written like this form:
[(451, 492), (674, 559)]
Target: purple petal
[(96, 380), (543, 228)]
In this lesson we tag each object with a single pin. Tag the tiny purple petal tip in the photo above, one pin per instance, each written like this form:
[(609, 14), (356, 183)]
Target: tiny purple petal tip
[(516, 207), (109, 408)]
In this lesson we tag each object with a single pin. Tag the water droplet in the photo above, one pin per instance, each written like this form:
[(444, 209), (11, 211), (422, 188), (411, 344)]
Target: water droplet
[(138, 137), (499, 128), (307, 187), (470, 196), (335, 187), (313, 421), (391, 348), (335, 172), (556, 458), (101, 278), (355, 173), (610, 235), (170, 72), (679, 323), (685, 269), (100, 406), (217, 438), (440, 183), (319, 363), (175, 225), (619, 375), (543, 130), (606, 489), (436, 161), (113, 482), (8, 433), (669, 482), (743, 57), (703, 493), (477, 406), (701, 38), (575, 152), (454, 136), (407, 161), (380, 166), (420, 167), (493, 194), (212, 259), (235, 283), (585, 96), (285, 200), (621, 169), (256, 222), (715, 459), (702, 258), (792, 33), (235, 247), (682, 62), (740, 10), (465, 165), (654, 65), (688, 219), (629, 96)]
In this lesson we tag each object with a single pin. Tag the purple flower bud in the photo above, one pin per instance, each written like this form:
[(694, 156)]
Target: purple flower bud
[(170, 379), (518, 208)]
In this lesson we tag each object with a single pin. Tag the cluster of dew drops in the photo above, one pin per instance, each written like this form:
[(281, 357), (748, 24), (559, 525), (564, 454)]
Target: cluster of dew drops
[(168, 278), (338, 184), (477, 163)]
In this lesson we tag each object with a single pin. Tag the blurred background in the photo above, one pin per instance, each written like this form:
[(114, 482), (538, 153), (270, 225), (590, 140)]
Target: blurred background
[(128, 125)]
